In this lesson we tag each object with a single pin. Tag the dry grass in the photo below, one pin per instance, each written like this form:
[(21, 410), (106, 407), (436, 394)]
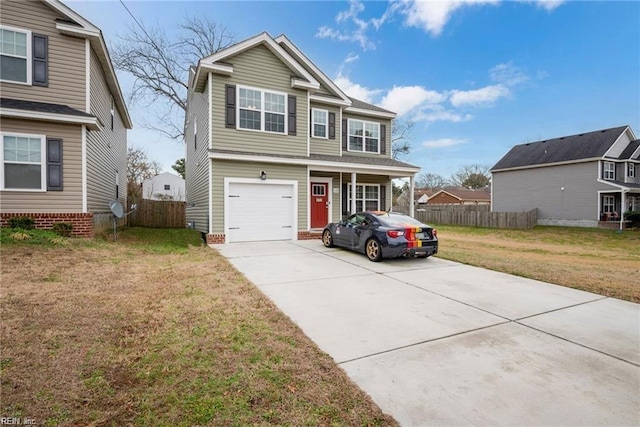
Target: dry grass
[(141, 332), (605, 262)]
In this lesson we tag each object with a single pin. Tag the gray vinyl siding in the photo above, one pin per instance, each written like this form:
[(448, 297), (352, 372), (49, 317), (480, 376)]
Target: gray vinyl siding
[(66, 65), (386, 122), (197, 161), (260, 69), (232, 169), (70, 199), (541, 188), (325, 145), (106, 148)]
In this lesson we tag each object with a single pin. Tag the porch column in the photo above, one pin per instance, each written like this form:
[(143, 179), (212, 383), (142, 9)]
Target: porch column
[(412, 187), (353, 193), (622, 209)]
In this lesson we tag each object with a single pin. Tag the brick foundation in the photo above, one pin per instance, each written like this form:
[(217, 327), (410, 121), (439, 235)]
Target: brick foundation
[(308, 235), (213, 239), (82, 222)]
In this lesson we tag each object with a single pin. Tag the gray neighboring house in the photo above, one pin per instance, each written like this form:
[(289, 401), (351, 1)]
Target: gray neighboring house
[(275, 150), (578, 180), (63, 119)]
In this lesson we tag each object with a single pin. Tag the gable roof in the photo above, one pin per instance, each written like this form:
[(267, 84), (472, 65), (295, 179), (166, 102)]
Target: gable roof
[(632, 152), (215, 62), (357, 105), (78, 26), (590, 145), (461, 194)]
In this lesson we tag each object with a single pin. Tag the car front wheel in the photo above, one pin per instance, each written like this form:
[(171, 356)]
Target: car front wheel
[(327, 239), (373, 250)]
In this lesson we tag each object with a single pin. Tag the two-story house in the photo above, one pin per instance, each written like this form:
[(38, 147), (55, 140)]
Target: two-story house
[(275, 150), (63, 119), (572, 180)]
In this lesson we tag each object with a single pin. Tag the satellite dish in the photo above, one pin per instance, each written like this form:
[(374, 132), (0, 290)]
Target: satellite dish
[(116, 208), (118, 212)]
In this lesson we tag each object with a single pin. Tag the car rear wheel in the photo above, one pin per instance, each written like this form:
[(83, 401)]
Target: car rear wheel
[(327, 239), (373, 250)]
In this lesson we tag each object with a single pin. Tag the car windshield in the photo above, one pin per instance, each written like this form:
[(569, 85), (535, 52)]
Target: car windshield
[(397, 220)]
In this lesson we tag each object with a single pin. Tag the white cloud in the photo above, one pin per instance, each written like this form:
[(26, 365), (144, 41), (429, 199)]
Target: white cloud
[(359, 36), (432, 16), (479, 97), (350, 58), (548, 5), (402, 99), (439, 114), (356, 90), (507, 74), (443, 142)]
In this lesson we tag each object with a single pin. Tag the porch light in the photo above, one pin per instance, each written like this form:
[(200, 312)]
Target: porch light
[(263, 175)]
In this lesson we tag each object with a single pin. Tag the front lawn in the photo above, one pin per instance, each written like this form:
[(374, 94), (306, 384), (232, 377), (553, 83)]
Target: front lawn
[(156, 330), (606, 262)]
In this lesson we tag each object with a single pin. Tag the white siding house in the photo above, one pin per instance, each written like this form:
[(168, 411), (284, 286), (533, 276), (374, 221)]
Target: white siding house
[(164, 186)]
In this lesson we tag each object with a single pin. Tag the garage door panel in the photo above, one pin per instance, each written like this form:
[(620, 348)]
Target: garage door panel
[(260, 212)]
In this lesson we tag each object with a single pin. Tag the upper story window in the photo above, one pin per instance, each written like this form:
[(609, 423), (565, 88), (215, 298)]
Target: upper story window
[(364, 136), (261, 110), (15, 52), (609, 170), (320, 123), (631, 170), (23, 162)]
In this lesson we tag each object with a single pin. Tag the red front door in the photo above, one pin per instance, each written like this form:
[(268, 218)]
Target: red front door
[(319, 204)]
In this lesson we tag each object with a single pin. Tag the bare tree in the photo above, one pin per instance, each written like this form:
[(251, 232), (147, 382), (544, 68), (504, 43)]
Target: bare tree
[(431, 181), (401, 135), (160, 64), (139, 168), (474, 177)]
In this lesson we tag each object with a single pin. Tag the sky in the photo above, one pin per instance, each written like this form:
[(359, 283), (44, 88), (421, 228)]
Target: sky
[(476, 77)]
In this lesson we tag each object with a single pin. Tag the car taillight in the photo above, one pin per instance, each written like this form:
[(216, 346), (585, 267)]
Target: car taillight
[(395, 233), (435, 232)]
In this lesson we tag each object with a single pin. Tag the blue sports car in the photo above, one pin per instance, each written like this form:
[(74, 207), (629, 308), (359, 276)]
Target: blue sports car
[(382, 235)]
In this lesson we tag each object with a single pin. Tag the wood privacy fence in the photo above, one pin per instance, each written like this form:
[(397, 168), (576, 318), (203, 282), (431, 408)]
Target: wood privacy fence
[(158, 214), (475, 216)]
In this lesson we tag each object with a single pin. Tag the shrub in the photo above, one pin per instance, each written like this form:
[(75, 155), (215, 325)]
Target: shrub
[(24, 222), (63, 228), (634, 217)]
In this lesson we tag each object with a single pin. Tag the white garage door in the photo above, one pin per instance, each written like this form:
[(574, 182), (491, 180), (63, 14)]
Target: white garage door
[(260, 212)]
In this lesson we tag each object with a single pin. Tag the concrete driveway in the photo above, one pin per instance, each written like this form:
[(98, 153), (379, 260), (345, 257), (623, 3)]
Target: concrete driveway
[(436, 342)]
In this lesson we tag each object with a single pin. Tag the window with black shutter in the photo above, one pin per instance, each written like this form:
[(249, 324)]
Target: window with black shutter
[(332, 125), (292, 114), (230, 103), (54, 164), (40, 60)]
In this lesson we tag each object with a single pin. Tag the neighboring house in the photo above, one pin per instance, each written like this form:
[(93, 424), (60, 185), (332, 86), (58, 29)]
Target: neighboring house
[(275, 150), (63, 119), (446, 196), (454, 196), (573, 180), (164, 186)]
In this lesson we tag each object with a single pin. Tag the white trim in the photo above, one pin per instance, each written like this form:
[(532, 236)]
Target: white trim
[(327, 81), (230, 180), (542, 165), (324, 100), (364, 137), (210, 102), (263, 111), (43, 162), (370, 112), (210, 195), (325, 165), (297, 83), (87, 77), (606, 154), (90, 122), (323, 180), (74, 29), (308, 133), (62, 8), (339, 135), (612, 171), (613, 184), (29, 57), (84, 169), (326, 123)]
